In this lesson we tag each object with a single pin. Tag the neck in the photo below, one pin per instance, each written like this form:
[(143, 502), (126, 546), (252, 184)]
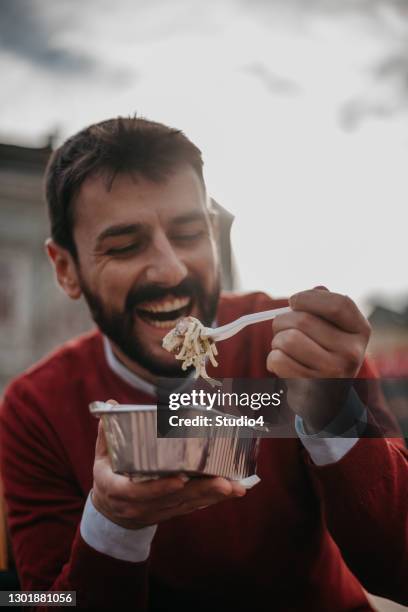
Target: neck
[(133, 366)]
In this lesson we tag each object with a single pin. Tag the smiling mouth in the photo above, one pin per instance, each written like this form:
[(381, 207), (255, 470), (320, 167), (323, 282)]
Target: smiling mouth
[(165, 312)]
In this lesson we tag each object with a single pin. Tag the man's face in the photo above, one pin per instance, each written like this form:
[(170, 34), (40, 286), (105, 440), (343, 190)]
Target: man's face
[(146, 258)]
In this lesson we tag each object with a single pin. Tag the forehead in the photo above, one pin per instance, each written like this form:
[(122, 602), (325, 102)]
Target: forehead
[(136, 199)]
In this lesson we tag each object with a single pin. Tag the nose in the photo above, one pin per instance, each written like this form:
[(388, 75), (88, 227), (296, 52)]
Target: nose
[(165, 268)]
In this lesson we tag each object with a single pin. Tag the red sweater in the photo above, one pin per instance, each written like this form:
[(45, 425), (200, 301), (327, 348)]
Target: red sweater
[(276, 548)]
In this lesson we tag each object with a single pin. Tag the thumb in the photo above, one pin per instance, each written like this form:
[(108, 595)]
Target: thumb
[(294, 298), (101, 447)]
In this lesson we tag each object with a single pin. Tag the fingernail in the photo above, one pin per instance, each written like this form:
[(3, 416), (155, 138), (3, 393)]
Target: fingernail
[(321, 287), (292, 300)]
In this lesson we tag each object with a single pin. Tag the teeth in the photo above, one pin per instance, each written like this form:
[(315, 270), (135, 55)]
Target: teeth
[(166, 306), (163, 324)]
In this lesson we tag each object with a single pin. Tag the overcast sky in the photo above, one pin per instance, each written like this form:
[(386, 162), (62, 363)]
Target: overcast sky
[(298, 106)]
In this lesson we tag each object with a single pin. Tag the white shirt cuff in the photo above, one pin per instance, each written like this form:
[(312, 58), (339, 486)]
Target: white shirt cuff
[(113, 540), (325, 447)]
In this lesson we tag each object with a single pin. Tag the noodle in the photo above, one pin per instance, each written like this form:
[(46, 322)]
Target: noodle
[(191, 347)]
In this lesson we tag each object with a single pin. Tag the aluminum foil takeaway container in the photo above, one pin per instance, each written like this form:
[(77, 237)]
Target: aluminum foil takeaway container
[(135, 449)]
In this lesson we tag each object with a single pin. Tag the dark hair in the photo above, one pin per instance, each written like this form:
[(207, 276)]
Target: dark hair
[(122, 145)]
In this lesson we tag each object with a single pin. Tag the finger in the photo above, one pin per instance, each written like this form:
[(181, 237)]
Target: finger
[(285, 367), (124, 490), (345, 350), (317, 329), (336, 308), (101, 448), (204, 487), (200, 503), (190, 505), (303, 350), (237, 489), (218, 486), (172, 504), (118, 499), (163, 508)]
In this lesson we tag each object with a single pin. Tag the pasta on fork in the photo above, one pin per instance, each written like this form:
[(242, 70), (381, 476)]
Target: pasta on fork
[(192, 347)]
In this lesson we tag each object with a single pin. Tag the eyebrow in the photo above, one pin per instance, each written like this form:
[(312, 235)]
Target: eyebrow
[(119, 230), (195, 215)]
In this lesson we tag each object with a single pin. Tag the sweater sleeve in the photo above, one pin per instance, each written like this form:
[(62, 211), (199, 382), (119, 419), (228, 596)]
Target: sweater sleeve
[(44, 507), (365, 501)]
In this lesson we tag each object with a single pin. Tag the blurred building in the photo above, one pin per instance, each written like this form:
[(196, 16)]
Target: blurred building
[(389, 341), (389, 350), (35, 315)]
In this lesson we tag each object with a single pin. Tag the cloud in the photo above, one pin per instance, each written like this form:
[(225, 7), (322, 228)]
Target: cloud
[(28, 31), (386, 84), (383, 77), (274, 83), (323, 7)]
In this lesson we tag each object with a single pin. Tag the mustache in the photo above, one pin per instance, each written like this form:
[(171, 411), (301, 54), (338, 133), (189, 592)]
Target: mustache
[(188, 287)]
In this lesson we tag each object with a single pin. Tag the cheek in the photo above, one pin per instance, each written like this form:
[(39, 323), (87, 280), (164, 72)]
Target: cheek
[(112, 282), (206, 262), (204, 272)]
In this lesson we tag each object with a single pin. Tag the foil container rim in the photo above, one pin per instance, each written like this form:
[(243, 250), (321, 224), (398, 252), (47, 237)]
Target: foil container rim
[(106, 408)]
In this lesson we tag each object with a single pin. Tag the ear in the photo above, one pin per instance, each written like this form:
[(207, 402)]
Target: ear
[(65, 268)]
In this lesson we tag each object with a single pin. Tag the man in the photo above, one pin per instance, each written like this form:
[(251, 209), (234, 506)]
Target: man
[(134, 233)]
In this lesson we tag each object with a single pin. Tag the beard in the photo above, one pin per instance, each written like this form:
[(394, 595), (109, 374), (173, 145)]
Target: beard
[(118, 326)]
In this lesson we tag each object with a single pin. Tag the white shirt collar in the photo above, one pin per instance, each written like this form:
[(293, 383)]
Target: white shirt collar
[(124, 373)]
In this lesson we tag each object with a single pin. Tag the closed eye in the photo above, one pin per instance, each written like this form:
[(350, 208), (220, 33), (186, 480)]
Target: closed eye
[(130, 248), (189, 237)]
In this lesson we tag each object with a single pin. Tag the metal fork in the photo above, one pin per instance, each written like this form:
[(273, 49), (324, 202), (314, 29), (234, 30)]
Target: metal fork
[(230, 329)]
